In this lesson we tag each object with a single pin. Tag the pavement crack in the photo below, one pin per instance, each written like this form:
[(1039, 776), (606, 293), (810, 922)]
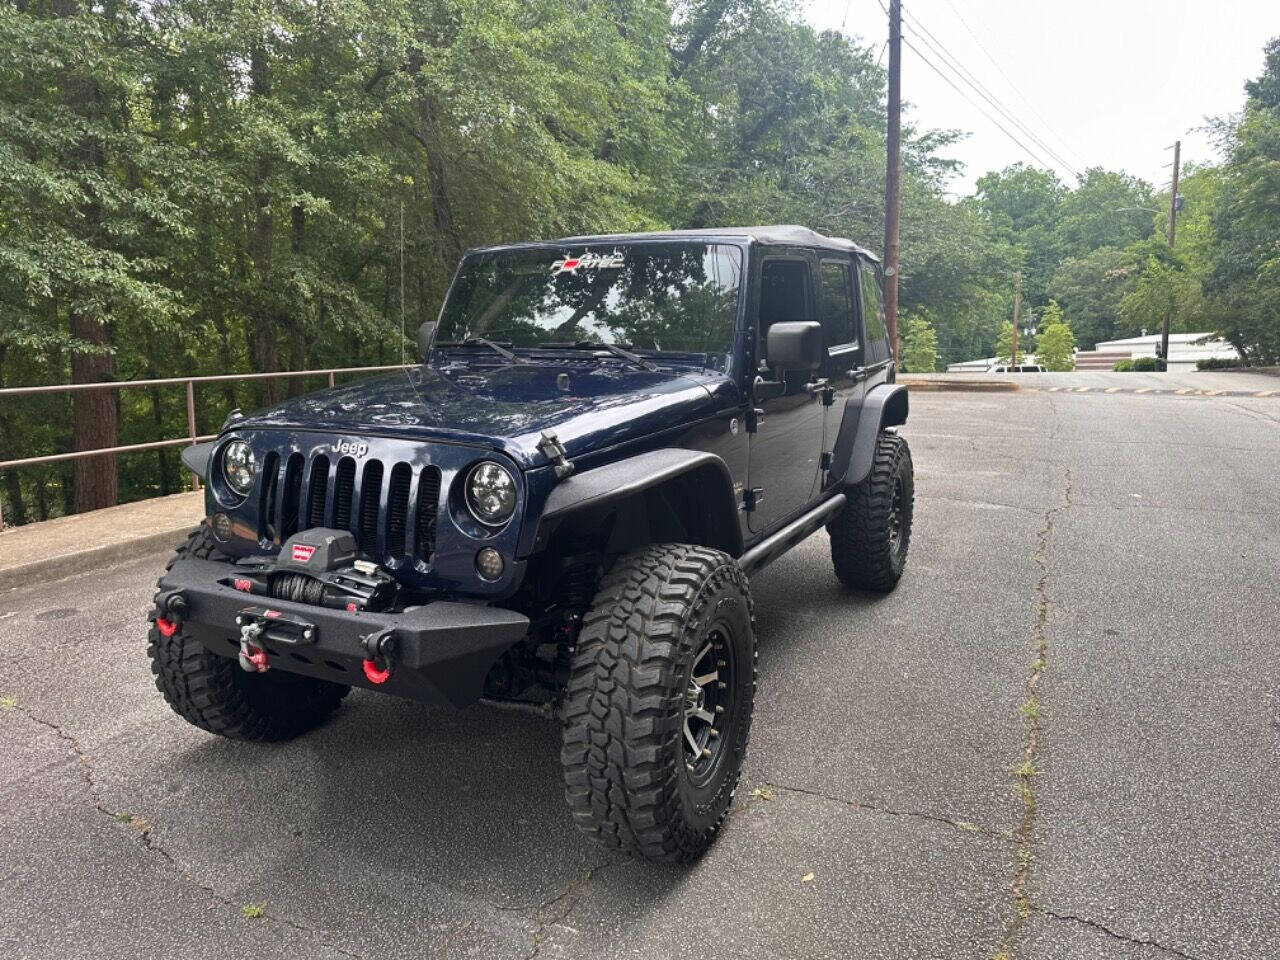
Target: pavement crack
[(566, 901), (1028, 770), (964, 826), (142, 828), (1115, 934)]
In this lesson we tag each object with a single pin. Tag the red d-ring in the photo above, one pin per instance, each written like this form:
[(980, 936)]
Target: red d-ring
[(373, 674), (166, 627)]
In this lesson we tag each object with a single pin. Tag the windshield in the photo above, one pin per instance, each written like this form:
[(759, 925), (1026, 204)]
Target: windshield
[(674, 301)]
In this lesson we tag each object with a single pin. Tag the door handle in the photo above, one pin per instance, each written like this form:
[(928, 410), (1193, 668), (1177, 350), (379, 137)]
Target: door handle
[(817, 386)]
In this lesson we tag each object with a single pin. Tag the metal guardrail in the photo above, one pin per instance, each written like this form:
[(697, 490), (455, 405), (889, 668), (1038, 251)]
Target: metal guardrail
[(188, 382)]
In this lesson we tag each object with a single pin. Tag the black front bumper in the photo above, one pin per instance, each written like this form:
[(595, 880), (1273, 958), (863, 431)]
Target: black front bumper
[(443, 650)]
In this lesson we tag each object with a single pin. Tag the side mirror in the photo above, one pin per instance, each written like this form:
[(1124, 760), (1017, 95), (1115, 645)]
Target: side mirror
[(426, 333), (795, 346)]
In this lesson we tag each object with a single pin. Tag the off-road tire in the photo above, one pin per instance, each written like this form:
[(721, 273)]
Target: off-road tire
[(627, 779), (215, 694), (864, 550)]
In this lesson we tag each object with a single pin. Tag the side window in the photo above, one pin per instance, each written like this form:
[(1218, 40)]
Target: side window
[(872, 305), (837, 303)]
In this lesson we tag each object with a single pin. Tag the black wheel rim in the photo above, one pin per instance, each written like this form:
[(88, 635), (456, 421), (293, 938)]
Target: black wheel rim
[(895, 515), (708, 704)]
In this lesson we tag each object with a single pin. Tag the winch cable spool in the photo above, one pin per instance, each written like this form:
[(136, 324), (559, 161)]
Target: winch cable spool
[(298, 588)]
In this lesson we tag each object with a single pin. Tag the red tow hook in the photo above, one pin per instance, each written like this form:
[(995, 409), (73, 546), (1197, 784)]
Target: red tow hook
[(373, 674), (166, 626), (380, 646)]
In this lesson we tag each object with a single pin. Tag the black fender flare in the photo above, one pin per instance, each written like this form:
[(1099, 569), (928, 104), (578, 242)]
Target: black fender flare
[(618, 481), (196, 458), (865, 416)]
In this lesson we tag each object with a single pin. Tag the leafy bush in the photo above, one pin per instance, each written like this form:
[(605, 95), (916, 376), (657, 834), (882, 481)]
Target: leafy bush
[(1219, 363), (1140, 365)]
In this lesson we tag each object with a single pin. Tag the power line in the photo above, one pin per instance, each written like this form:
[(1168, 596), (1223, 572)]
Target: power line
[(966, 76), (999, 126), (1014, 87)]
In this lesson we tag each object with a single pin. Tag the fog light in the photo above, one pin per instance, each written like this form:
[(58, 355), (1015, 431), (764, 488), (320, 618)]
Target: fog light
[(489, 563), (221, 526)]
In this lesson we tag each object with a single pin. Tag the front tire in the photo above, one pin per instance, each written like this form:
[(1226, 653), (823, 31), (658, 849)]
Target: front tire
[(659, 701), (871, 535), (213, 693)]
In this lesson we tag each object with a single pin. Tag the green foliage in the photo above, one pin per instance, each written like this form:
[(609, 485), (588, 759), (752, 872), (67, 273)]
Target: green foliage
[(1005, 352), (1140, 365), (919, 344), (1056, 344), (1218, 363), (1243, 280), (1165, 288), (1090, 290)]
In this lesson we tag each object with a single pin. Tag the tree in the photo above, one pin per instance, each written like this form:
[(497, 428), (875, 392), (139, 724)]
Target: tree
[(1090, 289), (1243, 283), (1005, 355), (1165, 289), (1107, 209), (1055, 344), (920, 344)]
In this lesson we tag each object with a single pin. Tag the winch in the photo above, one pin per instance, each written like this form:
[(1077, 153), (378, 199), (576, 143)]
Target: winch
[(319, 567)]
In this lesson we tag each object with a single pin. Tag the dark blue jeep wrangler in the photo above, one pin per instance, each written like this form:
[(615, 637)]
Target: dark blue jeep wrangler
[(560, 508)]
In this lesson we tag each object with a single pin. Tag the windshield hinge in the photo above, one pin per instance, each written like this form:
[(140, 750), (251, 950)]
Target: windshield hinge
[(554, 450)]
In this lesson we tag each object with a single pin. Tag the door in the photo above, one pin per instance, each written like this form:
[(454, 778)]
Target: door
[(786, 429), (844, 370)]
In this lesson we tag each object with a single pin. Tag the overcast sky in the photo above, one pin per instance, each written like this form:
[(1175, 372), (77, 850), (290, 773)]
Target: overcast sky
[(1102, 82)]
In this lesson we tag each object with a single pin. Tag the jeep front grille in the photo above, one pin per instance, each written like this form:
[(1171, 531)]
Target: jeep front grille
[(391, 509)]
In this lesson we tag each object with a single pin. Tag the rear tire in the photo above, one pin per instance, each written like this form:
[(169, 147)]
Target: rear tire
[(664, 669), (871, 535), (213, 693)]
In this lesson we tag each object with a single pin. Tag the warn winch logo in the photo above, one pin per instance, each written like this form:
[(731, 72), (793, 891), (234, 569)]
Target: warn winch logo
[(302, 552), (351, 448), (588, 261)]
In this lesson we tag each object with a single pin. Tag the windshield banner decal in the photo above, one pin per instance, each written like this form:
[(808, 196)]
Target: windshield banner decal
[(588, 261)]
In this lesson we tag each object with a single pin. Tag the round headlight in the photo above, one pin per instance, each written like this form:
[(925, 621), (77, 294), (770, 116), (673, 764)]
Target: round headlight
[(491, 493), (239, 467)]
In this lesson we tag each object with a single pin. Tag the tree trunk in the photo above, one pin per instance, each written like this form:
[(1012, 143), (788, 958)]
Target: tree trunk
[(297, 336), (93, 411), (93, 416), (263, 338), (441, 206), (13, 486)]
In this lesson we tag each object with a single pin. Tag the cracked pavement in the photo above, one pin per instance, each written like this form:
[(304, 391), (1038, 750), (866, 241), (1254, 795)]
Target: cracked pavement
[(1138, 606)]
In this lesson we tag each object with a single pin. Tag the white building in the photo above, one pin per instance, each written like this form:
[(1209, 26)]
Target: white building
[(1184, 350)]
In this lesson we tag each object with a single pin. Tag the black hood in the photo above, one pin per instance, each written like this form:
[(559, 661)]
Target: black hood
[(507, 407)]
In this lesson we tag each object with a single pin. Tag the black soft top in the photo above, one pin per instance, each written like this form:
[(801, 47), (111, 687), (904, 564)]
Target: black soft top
[(788, 235)]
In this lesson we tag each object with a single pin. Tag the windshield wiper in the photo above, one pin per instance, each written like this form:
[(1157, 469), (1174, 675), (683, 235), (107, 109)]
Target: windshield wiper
[(497, 348), (613, 348)]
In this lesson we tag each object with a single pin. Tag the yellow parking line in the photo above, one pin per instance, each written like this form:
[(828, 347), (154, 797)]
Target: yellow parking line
[(1264, 393), (1082, 389), (1144, 390), (1054, 389), (1183, 392), (1213, 393), (1113, 390)]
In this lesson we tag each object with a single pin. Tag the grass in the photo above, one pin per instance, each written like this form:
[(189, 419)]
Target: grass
[(254, 910), (8, 703)]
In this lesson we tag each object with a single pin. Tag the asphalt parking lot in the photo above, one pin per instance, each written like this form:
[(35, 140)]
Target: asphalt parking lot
[(1058, 739)]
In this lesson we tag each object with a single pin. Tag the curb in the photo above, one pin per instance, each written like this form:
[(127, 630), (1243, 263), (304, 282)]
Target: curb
[(69, 564), (960, 386), (64, 546)]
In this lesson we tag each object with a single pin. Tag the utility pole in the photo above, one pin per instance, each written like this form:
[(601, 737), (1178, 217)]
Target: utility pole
[(893, 175), (1173, 234), (1017, 315)]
